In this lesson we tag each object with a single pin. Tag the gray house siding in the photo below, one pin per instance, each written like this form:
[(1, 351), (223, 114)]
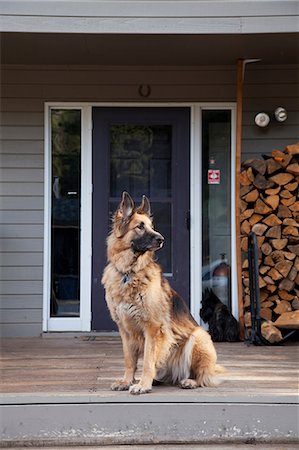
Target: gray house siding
[(24, 91)]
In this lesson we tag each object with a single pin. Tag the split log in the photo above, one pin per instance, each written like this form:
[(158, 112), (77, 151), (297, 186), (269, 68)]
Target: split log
[(295, 303), (288, 320), (293, 168), (270, 332), (255, 218), (259, 228), (269, 261), (244, 180), (274, 232), (262, 183), (282, 178), (277, 255), (288, 201), (286, 284), (252, 196), (279, 244), (245, 189), (264, 269), (272, 201), (274, 274), (294, 249), (290, 222), (283, 307), (266, 313), (284, 295), (273, 191), (293, 186), (261, 207), (245, 227), (294, 207), (290, 231), (293, 149), (266, 249), (284, 267), (285, 193), (246, 214), (258, 165), (283, 212), (272, 220), (272, 166)]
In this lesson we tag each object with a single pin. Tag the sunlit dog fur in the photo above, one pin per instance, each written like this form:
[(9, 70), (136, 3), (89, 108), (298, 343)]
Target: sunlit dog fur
[(153, 320)]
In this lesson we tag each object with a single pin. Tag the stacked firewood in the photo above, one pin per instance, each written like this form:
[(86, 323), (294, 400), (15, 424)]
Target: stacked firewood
[(270, 207)]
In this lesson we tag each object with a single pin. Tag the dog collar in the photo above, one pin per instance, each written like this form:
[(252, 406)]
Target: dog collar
[(126, 278)]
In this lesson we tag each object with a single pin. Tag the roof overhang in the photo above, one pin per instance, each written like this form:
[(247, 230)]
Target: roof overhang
[(150, 16)]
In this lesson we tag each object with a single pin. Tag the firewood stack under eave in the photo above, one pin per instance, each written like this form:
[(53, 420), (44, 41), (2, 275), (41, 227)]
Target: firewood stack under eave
[(269, 206)]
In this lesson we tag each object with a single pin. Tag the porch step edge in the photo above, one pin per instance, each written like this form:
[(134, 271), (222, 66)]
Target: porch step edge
[(148, 423)]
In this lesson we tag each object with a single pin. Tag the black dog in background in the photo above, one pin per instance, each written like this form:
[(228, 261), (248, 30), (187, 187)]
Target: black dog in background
[(222, 324)]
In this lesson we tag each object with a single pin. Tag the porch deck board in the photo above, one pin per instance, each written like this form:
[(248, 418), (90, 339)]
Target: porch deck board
[(56, 391), (89, 365)]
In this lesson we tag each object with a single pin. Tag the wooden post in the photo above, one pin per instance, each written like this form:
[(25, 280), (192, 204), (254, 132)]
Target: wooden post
[(241, 63), (240, 78)]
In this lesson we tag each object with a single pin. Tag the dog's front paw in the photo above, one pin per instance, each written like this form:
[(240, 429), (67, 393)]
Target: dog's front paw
[(121, 385), (137, 389), (187, 383)]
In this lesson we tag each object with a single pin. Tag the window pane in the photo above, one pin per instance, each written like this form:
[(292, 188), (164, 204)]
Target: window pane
[(65, 222), (216, 220), (140, 163), (140, 160)]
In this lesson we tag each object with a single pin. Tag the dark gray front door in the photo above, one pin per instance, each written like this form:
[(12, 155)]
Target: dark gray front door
[(142, 150)]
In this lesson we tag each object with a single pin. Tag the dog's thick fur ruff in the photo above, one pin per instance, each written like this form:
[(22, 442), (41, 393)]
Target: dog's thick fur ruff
[(222, 324), (152, 318)]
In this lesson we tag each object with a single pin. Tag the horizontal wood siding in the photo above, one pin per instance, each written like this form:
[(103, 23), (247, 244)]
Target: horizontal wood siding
[(21, 216), (26, 88), (265, 89)]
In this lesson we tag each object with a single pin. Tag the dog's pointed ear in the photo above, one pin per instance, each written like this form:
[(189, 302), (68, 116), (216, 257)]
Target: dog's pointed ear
[(126, 206), (145, 206)]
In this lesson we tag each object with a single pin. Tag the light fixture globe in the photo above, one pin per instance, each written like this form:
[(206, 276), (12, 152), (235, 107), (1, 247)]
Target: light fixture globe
[(262, 119), (280, 114)]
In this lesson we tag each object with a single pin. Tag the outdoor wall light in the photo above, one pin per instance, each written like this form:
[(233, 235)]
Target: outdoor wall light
[(262, 119), (280, 114)]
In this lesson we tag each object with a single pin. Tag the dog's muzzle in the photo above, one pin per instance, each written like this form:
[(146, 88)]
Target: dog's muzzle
[(147, 242)]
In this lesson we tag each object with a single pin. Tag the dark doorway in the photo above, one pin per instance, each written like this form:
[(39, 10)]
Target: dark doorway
[(142, 150)]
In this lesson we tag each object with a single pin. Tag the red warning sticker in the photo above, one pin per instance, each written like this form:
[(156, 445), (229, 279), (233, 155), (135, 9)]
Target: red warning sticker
[(213, 176)]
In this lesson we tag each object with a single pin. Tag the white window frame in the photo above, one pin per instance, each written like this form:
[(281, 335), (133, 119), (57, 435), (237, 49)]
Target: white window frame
[(83, 323), (196, 176)]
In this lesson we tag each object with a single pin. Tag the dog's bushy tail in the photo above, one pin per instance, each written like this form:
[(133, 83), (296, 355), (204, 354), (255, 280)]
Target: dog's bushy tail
[(208, 377), (219, 369)]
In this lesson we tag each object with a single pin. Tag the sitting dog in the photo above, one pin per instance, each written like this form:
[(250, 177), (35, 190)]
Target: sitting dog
[(222, 324), (152, 318)]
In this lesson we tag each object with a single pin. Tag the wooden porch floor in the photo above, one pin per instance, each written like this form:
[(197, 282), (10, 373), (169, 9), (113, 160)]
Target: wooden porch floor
[(78, 371)]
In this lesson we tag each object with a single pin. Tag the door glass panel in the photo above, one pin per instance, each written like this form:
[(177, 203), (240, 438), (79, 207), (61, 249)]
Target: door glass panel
[(216, 201), (140, 163), (65, 220)]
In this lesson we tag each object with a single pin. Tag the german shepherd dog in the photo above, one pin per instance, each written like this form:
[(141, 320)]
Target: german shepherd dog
[(152, 318), (222, 324)]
